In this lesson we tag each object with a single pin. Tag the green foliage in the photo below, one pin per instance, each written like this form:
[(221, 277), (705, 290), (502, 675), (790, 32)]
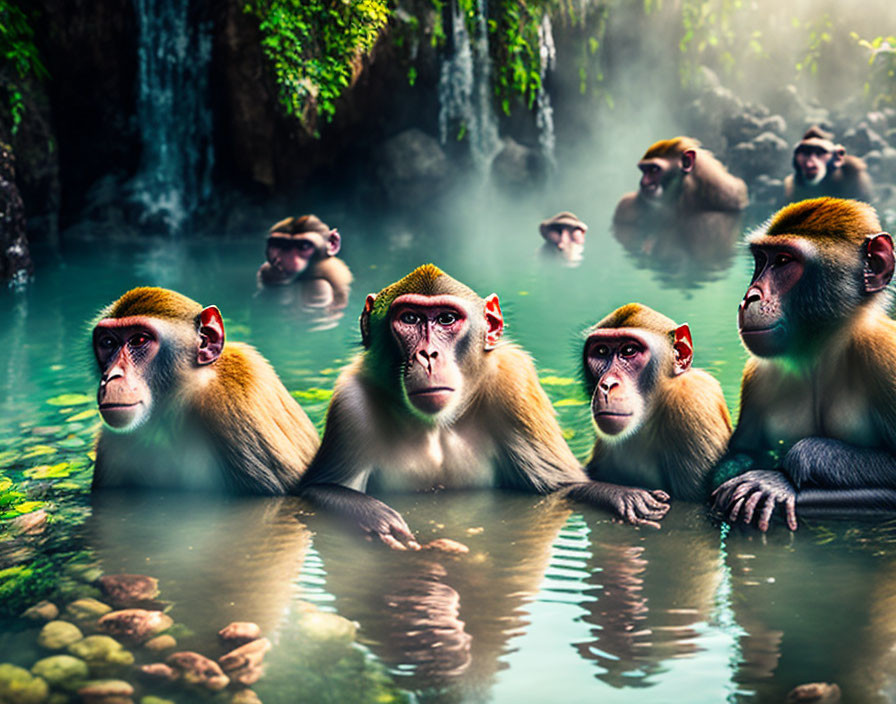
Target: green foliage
[(819, 36), (20, 58), (316, 49), (24, 585), (880, 87)]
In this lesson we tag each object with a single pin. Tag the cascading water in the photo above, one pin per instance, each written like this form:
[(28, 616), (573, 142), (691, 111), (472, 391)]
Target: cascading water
[(173, 112), (465, 88), (544, 116)]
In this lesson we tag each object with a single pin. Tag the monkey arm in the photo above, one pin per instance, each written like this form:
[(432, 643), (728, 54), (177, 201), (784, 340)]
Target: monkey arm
[(757, 492), (372, 516), (824, 463)]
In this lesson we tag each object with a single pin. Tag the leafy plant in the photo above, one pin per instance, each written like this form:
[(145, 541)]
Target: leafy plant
[(316, 49), (20, 58), (880, 87)]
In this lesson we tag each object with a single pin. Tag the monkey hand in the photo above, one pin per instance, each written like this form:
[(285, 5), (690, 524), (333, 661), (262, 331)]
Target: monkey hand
[(639, 507), (386, 524), (756, 492)]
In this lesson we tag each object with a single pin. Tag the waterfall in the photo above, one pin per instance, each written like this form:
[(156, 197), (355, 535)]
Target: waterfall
[(544, 116), (173, 113), (465, 92)]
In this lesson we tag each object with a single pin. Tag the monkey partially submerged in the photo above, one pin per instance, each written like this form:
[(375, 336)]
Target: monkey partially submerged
[(660, 423), (817, 427), (436, 399), (184, 410)]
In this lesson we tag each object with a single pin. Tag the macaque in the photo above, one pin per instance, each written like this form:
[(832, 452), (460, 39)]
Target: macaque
[(437, 400), (822, 168), (564, 237), (660, 423), (680, 178), (183, 410), (817, 427), (303, 251)]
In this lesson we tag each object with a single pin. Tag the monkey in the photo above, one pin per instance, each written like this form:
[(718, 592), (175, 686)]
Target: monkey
[(659, 422), (564, 237), (303, 251), (822, 168), (817, 426), (679, 178), (437, 400), (182, 409)]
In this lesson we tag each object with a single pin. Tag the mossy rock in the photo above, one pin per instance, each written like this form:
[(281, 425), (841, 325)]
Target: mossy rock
[(57, 635), (101, 650), (62, 671), (20, 686)]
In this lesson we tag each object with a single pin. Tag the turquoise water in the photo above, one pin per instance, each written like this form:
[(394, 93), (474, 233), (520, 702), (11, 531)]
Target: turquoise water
[(550, 604)]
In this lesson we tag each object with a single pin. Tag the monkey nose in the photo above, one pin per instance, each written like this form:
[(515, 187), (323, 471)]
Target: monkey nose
[(753, 295)]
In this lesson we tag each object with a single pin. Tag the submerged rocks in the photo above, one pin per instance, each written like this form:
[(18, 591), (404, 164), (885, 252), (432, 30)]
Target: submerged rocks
[(101, 650), (57, 635), (240, 632), (86, 610), (136, 624), (814, 693), (243, 664), (20, 686), (198, 670), (129, 590), (62, 671), (159, 643), (105, 692)]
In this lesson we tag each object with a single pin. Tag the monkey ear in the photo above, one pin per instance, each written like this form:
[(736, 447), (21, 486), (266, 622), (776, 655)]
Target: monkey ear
[(682, 348), (688, 159), (494, 321), (211, 335), (334, 243), (365, 319), (879, 262)]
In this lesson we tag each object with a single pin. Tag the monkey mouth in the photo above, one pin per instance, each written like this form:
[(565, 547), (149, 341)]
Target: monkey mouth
[(431, 399), (119, 415), (612, 422), (764, 342)]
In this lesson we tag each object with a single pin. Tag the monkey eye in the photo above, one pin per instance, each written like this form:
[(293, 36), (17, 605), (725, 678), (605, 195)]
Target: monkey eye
[(140, 339), (447, 318), (600, 351), (409, 318), (106, 342), (629, 349), (783, 258), (304, 245)]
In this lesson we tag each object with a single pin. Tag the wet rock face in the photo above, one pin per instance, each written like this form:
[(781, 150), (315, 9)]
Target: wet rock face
[(127, 590), (15, 257), (198, 670), (412, 168), (136, 624)]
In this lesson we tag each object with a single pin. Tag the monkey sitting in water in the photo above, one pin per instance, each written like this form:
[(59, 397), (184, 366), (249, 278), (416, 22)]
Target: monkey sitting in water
[(301, 259), (660, 424)]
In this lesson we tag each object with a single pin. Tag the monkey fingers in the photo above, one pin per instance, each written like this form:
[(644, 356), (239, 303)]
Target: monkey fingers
[(390, 528)]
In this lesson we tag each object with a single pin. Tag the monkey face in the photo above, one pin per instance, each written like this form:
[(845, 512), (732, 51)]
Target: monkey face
[(291, 254), (620, 362), (569, 242), (762, 320), (433, 334), (812, 163), (124, 350)]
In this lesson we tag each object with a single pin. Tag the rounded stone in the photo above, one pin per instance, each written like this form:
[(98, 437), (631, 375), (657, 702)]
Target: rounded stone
[(129, 589), (198, 670), (138, 624), (101, 650), (88, 609), (159, 643), (62, 671), (329, 629), (97, 689), (42, 611), (57, 635), (20, 686), (240, 632)]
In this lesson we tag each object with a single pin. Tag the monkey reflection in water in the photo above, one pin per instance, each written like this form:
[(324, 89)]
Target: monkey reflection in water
[(302, 271), (443, 621), (564, 239), (437, 400), (684, 220)]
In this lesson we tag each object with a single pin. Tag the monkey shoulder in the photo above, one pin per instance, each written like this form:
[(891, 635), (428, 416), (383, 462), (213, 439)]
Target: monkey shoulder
[(697, 400), (334, 270), (627, 210)]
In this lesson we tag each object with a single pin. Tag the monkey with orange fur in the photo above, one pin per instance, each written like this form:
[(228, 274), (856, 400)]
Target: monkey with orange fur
[(302, 252), (817, 427), (660, 423), (437, 400), (184, 410), (680, 178)]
